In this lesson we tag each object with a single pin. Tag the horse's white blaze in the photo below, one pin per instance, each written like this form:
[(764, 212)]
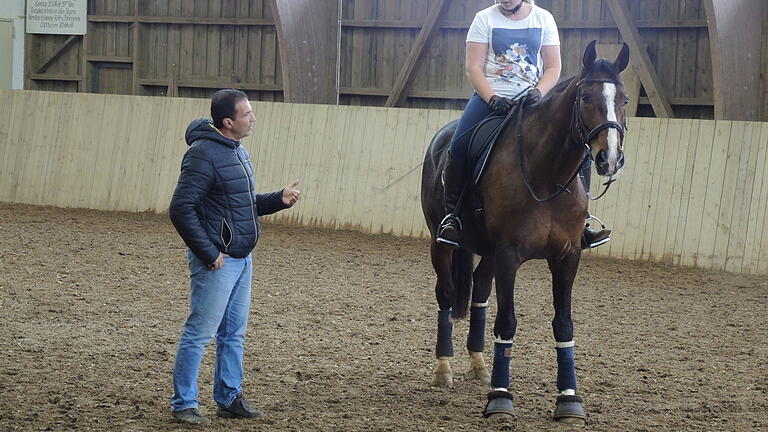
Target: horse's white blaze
[(609, 92)]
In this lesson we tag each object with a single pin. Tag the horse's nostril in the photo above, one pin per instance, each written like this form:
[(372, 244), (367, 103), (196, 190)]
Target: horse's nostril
[(601, 161)]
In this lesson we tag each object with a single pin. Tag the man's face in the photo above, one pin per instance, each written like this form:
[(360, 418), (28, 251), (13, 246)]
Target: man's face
[(242, 124)]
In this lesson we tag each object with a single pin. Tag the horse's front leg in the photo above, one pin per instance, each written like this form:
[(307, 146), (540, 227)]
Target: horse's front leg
[(441, 261), (568, 408), (500, 399), (481, 290)]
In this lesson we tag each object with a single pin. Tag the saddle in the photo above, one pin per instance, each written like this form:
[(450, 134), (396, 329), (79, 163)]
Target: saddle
[(481, 143), (484, 137)]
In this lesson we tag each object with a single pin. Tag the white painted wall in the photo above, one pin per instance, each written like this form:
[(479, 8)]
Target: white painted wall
[(14, 10)]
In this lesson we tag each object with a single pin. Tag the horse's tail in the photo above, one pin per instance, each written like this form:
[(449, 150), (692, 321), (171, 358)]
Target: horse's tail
[(461, 274)]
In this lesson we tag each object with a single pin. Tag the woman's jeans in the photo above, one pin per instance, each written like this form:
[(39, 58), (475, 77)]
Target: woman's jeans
[(219, 302), (475, 111)]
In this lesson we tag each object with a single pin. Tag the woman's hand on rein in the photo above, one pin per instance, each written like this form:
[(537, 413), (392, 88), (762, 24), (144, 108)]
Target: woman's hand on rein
[(532, 97), (500, 104)]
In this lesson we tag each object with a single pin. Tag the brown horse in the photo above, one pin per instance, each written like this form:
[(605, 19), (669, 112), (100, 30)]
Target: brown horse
[(581, 117)]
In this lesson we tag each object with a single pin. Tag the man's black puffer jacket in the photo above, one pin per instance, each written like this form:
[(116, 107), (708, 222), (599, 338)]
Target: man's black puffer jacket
[(215, 207)]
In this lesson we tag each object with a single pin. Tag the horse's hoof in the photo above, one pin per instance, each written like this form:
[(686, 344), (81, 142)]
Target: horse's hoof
[(499, 405), (443, 379), (480, 374), (498, 417), (443, 375), (568, 410)]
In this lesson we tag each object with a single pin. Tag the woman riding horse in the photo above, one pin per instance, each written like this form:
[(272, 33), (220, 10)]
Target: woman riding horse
[(513, 52), (539, 156)]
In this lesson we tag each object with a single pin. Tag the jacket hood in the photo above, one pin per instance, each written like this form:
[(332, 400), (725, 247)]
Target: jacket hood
[(203, 129)]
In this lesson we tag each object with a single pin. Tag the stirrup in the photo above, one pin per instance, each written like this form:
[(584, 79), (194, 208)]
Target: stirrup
[(594, 241), (597, 243), (445, 224), (589, 216)]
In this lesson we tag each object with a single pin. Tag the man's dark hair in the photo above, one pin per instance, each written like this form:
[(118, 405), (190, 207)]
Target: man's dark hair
[(223, 105)]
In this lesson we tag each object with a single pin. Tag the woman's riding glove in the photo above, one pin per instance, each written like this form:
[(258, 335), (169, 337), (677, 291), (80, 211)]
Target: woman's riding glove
[(499, 104), (533, 97)]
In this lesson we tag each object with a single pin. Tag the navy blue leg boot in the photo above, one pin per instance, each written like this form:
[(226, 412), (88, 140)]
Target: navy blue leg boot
[(500, 399), (443, 376), (476, 343), (568, 408)]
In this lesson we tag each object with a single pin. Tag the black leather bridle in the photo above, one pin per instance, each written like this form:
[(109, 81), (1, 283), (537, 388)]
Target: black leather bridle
[(577, 123)]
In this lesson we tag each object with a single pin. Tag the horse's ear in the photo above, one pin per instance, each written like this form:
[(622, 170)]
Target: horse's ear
[(590, 55), (622, 60)]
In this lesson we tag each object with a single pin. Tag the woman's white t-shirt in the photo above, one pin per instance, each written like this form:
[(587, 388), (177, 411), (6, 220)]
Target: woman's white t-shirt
[(513, 64)]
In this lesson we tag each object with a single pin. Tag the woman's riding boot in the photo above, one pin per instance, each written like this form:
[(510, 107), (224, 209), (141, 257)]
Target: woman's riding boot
[(449, 231), (592, 238)]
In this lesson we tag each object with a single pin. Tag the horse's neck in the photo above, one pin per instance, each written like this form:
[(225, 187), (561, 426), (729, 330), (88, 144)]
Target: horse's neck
[(547, 132)]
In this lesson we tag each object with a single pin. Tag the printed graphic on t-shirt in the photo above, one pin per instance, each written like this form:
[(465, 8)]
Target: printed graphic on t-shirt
[(516, 53)]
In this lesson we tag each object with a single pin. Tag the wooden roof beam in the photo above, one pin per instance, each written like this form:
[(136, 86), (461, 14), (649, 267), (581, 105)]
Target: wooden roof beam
[(735, 41), (425, 35), (307, 38), (645, 69)]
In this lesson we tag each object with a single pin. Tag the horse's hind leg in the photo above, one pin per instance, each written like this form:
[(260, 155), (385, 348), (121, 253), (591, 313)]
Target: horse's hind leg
[(441, 261), (568, 408), (481, 290)]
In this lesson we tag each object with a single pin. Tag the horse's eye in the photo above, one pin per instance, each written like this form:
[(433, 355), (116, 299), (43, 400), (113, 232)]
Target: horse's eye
[(585, 98), (626, 101)]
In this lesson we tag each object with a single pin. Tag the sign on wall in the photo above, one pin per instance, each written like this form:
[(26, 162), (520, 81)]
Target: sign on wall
[(57, 16)]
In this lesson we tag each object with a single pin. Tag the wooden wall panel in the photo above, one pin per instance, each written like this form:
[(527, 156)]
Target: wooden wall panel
[(694, 192), (205, 44), (674, 31), (216, 43)]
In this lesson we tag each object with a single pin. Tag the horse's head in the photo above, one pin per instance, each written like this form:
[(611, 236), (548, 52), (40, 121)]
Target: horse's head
[(599, 109)]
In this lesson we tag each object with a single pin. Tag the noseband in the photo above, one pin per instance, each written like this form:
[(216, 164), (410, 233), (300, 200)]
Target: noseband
[(577, 121)]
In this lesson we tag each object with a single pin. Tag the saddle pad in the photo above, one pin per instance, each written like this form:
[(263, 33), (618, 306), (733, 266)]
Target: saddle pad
[(481, 144)]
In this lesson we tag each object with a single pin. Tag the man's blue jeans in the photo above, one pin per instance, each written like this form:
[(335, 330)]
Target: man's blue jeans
[(219, 303)]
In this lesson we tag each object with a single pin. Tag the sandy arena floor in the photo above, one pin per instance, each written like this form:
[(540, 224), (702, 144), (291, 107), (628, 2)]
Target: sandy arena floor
[(342, 333)]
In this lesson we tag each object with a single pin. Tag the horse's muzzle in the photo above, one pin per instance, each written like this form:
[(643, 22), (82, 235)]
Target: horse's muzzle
[(605, 167)]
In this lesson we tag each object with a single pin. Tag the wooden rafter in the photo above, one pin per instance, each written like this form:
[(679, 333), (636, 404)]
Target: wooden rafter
[(735, 43), (56, 54), (307, 39), (645, 69), (135, 87), (425, 35)]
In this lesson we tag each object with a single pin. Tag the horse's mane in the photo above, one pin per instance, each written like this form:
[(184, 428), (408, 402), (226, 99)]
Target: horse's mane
[(600, 66), (562, 85)]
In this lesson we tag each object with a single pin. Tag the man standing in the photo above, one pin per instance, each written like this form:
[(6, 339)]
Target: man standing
[(215, 209)]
